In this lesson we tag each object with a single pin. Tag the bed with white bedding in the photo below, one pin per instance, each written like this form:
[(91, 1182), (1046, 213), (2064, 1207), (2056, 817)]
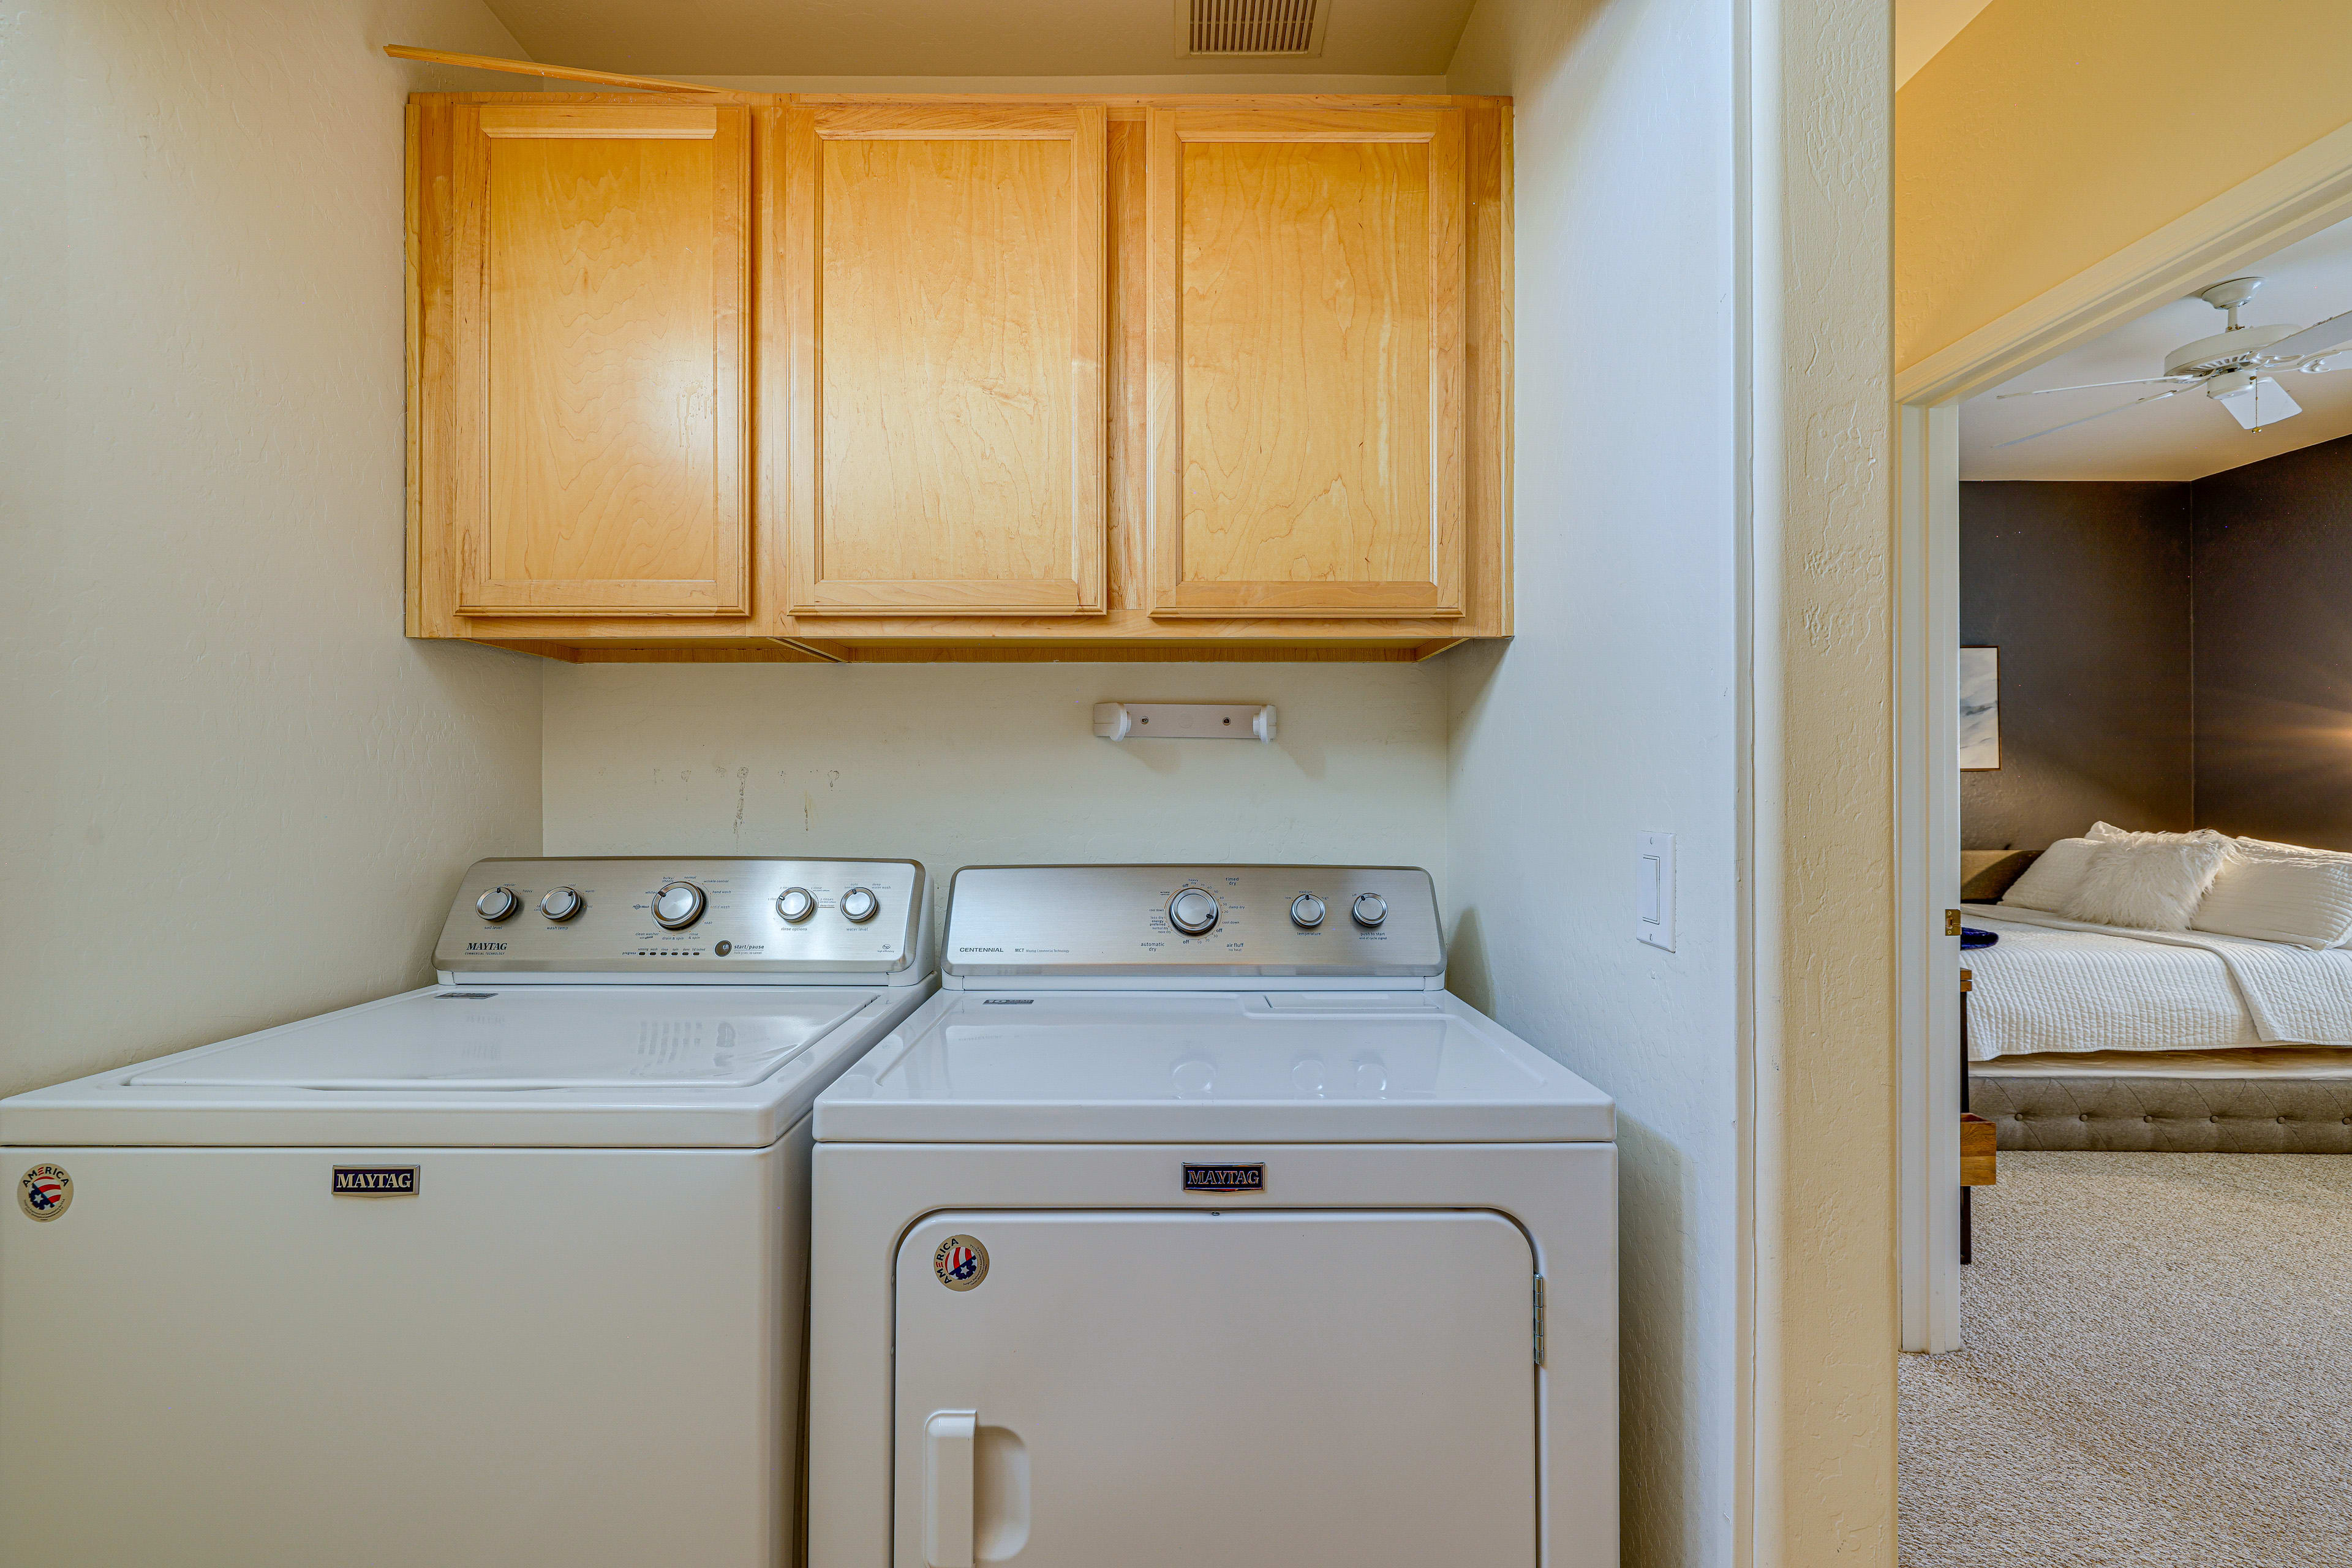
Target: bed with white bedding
[(2085, 1036)]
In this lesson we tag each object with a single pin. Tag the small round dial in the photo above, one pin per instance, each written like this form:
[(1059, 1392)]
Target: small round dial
[(1370, 909), (497, 904), (1195, 911), (679, 905), (860, 905), (1306, 910), (795, 904), (561, 903)]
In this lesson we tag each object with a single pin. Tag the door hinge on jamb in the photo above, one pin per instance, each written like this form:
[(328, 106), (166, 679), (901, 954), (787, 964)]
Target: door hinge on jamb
[(1539, 1319), (1951, 922)]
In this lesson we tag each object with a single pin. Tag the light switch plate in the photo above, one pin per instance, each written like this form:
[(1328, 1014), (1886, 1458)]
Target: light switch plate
[(1653, 890)]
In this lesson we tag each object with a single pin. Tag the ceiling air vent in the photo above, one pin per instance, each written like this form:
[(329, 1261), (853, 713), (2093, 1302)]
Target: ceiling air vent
[(1229, 27)]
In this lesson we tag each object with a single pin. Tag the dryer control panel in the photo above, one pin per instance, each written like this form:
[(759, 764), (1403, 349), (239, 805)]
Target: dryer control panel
[(1172, 921), (706, 915)]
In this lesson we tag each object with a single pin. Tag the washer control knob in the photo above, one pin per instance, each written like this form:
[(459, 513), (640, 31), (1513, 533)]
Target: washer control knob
[(1370, 908), (859, 905), (679, 905), (561, 903), (1306, 910), (796, 904), (1195, 911), (497, 904)]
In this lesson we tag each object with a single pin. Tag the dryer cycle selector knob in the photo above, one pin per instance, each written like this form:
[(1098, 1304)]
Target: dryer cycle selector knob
[(679, 905), (795, 904), (859, 905), (1195, 911), (560, 904), (1308, 910), (497, 904), (1370, 908)]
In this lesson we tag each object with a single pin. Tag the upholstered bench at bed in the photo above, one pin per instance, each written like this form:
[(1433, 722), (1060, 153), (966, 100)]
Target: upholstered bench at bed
[(2266, 1099)]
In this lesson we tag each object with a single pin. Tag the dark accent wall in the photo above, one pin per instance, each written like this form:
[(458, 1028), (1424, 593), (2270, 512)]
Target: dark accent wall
[(2085, 589), (2274, 647)]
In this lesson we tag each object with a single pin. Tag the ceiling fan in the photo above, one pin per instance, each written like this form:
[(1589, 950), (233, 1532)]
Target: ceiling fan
[(2237, 367)]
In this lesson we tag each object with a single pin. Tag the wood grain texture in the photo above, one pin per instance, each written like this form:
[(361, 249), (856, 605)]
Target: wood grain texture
[(1308, 364), (1126, 621), (532, 68), (943, 298), (599, 285), (1980, 1146)]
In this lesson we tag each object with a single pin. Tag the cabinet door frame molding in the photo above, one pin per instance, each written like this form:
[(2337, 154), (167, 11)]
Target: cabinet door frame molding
[(795, 375), (471, 421), (1178, 588)]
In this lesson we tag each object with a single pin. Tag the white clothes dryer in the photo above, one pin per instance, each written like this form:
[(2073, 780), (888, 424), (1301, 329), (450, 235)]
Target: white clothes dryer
[(507, 1270), (1195, 1222)]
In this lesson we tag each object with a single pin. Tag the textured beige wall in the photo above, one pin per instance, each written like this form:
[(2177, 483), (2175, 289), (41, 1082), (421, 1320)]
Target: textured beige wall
[(2052, 133), (233, 794), (1826, 1289), (958, 764), (1620, 708)]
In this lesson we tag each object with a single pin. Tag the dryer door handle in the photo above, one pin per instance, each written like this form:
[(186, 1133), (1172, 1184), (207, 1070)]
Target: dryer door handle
[(948, 1440)]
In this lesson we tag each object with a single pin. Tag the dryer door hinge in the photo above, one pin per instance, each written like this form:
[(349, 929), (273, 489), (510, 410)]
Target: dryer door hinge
[(1540, 1322)]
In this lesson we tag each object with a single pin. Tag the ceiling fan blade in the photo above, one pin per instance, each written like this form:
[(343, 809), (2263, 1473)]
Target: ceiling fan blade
[(2332, 334), (2088, 385), (2086, 419)]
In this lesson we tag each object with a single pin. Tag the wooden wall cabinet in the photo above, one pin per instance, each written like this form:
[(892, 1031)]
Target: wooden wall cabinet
[(938, 357), (830, 377), (1306, 362), (583, 354)]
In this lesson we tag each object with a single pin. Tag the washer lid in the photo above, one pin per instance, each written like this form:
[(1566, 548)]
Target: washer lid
[(527, 1038), (1079, 1067)]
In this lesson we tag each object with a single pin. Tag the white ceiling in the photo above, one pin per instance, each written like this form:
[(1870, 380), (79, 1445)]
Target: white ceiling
[(2183, 437), (954, 37)]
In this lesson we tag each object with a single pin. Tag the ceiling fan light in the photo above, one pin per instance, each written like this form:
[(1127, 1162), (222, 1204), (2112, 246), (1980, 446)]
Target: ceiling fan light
[(2256, 401)]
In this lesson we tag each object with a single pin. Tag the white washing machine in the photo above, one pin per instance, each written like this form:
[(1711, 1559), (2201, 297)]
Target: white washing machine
[(508, 1270), (1193, 1222)]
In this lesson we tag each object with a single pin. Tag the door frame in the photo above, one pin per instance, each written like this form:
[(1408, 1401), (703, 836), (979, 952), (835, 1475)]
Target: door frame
[(2291, 200)]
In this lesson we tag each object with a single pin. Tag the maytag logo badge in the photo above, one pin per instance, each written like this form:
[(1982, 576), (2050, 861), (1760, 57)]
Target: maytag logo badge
[(375, 1181), (1224, 1178), (486, 947)]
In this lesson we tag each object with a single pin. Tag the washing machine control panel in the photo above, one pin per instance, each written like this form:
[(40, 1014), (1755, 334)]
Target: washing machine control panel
[(655, 914), (1207, 920)]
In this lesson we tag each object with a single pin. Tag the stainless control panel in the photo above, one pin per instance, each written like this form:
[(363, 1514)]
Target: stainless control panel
[(1202, 920), (700, 914)]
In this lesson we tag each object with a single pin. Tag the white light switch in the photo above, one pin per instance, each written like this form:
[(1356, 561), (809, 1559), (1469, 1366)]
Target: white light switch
[(1653, 890)]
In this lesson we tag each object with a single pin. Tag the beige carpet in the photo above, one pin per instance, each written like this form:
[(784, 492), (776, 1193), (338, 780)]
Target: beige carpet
[(2157, 1370)]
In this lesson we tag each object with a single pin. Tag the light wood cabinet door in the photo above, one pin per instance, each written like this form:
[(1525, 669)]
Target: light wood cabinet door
[(596, 419), (938, 357), (1306, 362)]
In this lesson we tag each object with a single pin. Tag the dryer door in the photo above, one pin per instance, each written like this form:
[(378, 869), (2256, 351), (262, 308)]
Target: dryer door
[(1260, 1390)]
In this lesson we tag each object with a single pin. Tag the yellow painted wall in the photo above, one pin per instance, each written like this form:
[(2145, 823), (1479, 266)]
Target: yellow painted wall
[(2052, 133)]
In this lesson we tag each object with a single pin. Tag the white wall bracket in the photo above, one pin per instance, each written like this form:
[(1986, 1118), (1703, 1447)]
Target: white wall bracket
[(1184, 721)]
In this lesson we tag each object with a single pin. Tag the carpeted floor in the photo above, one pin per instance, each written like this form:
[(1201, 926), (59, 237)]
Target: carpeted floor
[(2157, 1370)]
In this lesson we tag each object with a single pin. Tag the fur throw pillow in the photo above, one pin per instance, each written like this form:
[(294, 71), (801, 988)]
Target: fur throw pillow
[(2150, 881)]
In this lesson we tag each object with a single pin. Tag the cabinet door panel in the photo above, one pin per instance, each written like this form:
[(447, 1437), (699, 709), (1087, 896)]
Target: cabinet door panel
[(1308, 363), (601, 256), (944, 294)]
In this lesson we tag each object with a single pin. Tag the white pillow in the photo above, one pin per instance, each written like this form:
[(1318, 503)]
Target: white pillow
[(2264, 848), (2148, 880), (2051, 882), (2298, 899)]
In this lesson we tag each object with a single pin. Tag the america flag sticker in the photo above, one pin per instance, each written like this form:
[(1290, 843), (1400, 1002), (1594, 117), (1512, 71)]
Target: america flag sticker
[(46, 1192), (960, 1262)]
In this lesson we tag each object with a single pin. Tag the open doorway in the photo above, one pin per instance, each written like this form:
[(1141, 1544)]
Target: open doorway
[(2137, 781)]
